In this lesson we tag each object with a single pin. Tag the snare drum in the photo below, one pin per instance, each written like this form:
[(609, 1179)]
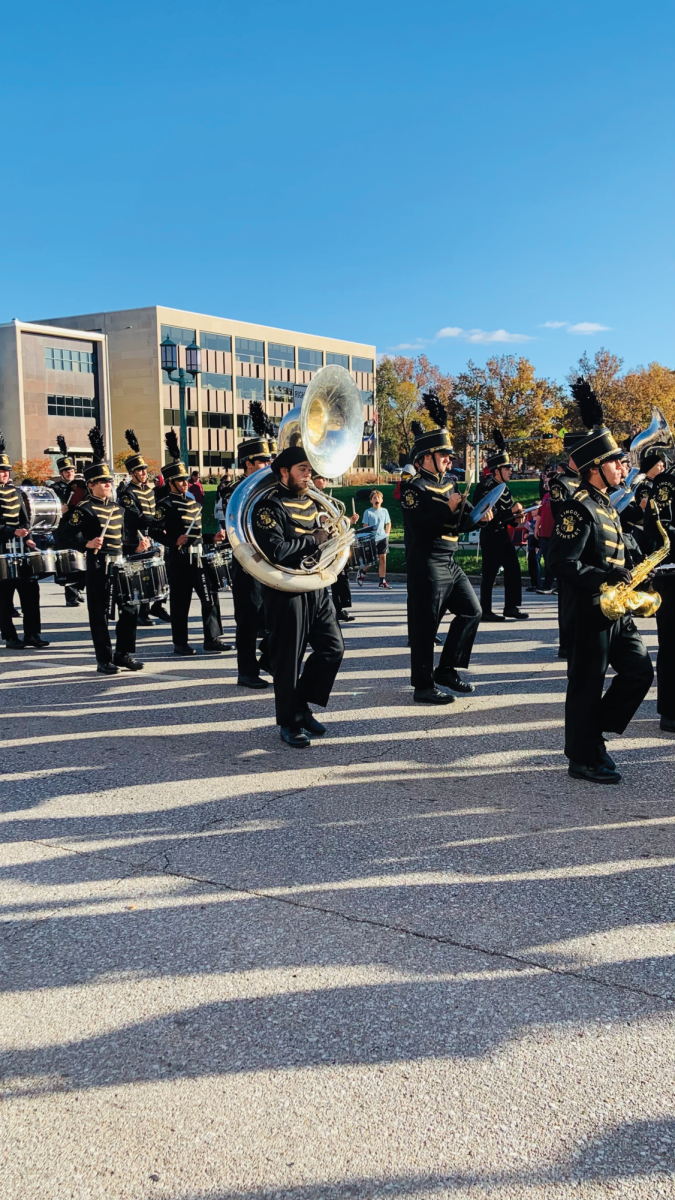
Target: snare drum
[(68, 562), (33, 564), (363, 552), (139, 580), (218, 566)]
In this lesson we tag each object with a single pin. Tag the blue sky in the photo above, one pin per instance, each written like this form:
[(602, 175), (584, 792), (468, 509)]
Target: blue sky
[(469, 178)]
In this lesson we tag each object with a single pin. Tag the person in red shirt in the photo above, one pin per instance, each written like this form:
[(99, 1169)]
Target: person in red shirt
[(544, 530)]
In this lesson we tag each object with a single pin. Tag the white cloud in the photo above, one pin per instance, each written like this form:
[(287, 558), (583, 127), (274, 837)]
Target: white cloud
[(418, 345), (587, 327), (554, 325), (482, 335)]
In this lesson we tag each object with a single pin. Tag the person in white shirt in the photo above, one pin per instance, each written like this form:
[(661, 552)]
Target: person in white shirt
[(377, 518)]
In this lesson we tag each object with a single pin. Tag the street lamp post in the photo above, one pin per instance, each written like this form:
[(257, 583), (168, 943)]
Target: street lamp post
[(184, 378)]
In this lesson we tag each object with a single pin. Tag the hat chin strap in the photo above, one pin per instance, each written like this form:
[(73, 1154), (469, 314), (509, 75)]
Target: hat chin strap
[(604, 478)]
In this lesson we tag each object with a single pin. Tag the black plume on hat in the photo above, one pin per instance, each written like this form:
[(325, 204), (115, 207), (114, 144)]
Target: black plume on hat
[(417, 428), (132, 440), (435, 408), (97, 444), (171, 441), (61, 443), (258, 418), (498, 438), (590, 408), (2, 442)]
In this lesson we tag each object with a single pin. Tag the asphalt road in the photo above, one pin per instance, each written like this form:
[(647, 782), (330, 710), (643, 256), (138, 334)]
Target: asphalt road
[(416, 960)]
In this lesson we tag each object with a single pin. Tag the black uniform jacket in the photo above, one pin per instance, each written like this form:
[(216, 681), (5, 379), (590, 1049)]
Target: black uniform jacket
[(502, 513), (284, 525), (663, 495), (586, 545), (88, 521), (561, 487), (138, 502), (430, 527), (12, 512), (175, 514)]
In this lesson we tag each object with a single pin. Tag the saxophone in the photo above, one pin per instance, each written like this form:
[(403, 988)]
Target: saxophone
[(623, 599)]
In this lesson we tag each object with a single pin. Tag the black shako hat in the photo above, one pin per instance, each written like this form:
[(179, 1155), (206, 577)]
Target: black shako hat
[(570, 440), (427, 441), (5, 464), (599, 445), (263, 445), (175, 469), (288, 458), (135, 461), (65, 462), (501, 458), (98, 470)]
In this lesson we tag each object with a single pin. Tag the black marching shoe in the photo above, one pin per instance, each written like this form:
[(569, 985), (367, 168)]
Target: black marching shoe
[(14, 643), (73, 603), (667, 725), (310, 724), (34, 639), (81, 598), (146, 622), (107, 668), (294, 736), (128, 662), (454, 681), (252, 681), (432, 695), (345, 617), (492, 616), (593, 773), (604, 758), (159, 611), (516, 614), (217, 647), (183, 651)]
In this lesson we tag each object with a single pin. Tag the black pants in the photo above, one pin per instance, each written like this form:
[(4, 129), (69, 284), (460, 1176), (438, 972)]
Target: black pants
[(498, 551), (665, 661), (29, 598), (438, 585), (341, 592), (98, 594), (293, 622), (249, 618), (549, 579), (533, 563), (593, 645), (185, 576)]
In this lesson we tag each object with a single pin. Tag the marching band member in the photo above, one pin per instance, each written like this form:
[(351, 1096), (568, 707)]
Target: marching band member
[(341, 593), (287, 531), (496, 546), (433, 516), (178, 525), (252, 455), (96, 526), (563, 485), (138, 501), (13, 525), (664, 583), (70, 489), (587, 550)]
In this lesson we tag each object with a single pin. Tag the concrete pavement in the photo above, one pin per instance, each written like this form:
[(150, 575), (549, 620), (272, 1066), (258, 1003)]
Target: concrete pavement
[(416, 960)]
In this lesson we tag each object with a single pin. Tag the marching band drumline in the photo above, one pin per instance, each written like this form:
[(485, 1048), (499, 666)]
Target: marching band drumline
[(135, 551)]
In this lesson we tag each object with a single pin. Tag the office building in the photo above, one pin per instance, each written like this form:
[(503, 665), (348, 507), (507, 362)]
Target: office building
[(240, 362)]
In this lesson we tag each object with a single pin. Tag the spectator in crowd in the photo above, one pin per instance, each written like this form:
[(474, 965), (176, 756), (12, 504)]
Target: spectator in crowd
[(195, 487), (543, 531), (533, 553), (377, 518)]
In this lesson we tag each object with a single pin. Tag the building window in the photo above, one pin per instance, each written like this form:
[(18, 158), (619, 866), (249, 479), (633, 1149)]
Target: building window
[(57, 359), (211, 379), (172, 417), (362, 364), (365, 460), (215, 341), (310, 360), (281, 392), (280, 356), (248, 350), (211, 420), (72, 406), (182, 337), (367, 397), (250, 389), (218, 458), (338, 360)]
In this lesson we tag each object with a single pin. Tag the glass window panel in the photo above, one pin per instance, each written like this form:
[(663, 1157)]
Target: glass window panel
[(281, 391), (367, 397), (362, 364), (215, 341), (212, 379), (182, 337), (250, 389), (310, 360), (338, 360), (280, 356), (249, 350)]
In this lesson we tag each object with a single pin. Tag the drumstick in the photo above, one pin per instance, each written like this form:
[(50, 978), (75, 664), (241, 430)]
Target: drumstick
[(103, 533), (192, 525), (353, 507)]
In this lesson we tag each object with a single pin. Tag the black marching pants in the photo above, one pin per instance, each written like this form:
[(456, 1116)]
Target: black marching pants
[(437, 585), (98, 584), (249, 618), (498, 551), (593, 645), (29, 598), (665, 661), (185, 576), (341, 592), (293, 622)]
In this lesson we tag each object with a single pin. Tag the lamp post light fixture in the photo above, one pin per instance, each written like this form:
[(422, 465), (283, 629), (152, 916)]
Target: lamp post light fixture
[(184, 378)]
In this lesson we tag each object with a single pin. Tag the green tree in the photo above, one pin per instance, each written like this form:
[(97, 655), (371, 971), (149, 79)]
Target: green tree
[(627, 399), (527, 408), (400, 384)]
